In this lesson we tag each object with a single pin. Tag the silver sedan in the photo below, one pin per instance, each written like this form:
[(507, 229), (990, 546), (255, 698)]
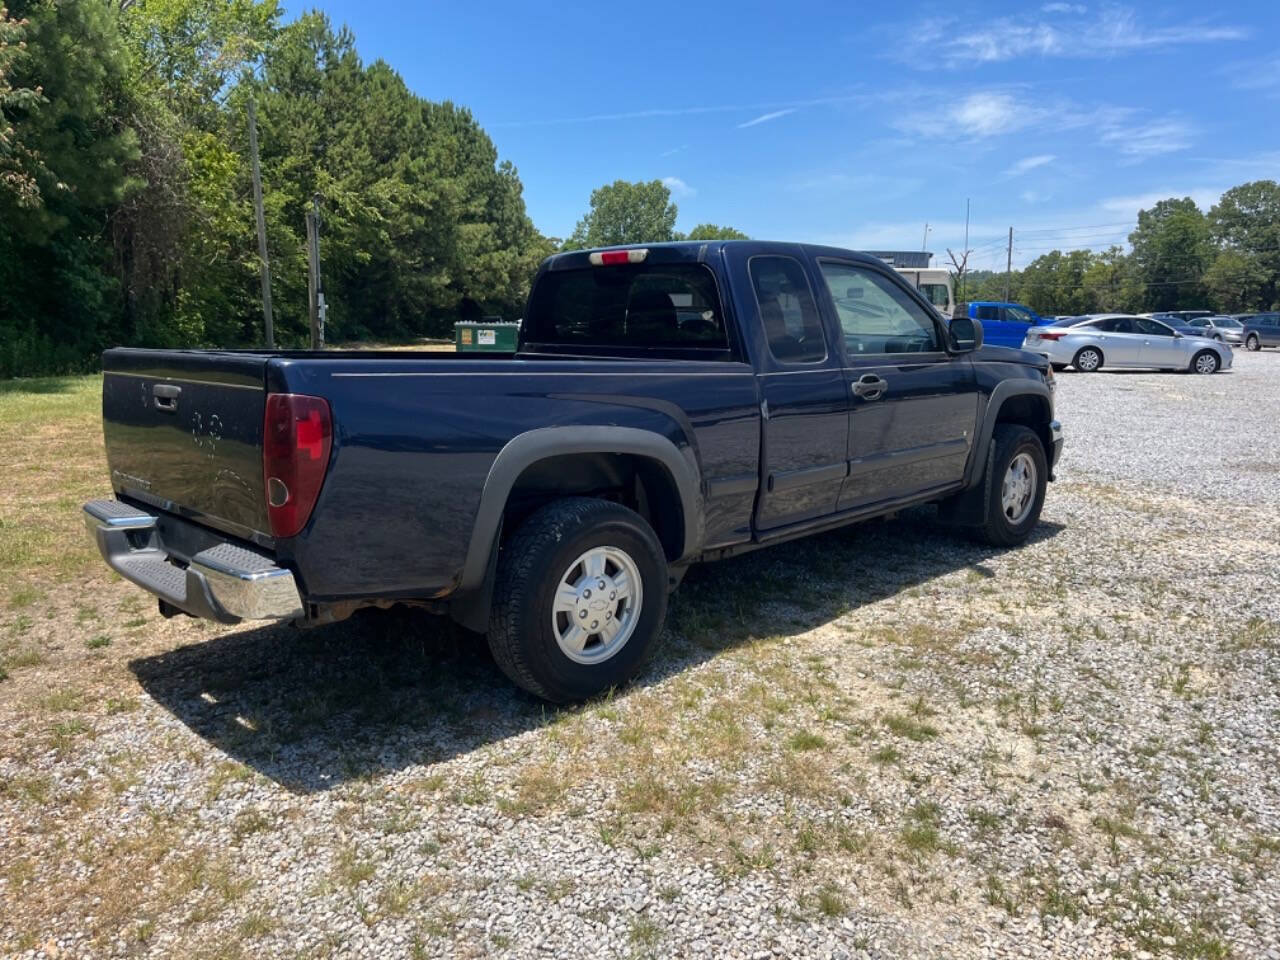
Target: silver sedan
[(1219, 328), (1120, 340)]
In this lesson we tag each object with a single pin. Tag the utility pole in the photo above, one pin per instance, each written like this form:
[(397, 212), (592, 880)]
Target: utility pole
[(924, 242), (315, 288), (1008, 265), (258, 214)]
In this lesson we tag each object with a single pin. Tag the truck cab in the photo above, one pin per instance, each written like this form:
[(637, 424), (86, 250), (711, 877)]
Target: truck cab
[(1005, 324)]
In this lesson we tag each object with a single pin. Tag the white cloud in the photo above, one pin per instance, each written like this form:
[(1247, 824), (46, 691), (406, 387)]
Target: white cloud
[(766, 117), (1137, 140), (1204, 197), (674, 150), (1112, 31), (1027, 164), (1033, 196), (986, 113), (1260, 76), (678, 187)]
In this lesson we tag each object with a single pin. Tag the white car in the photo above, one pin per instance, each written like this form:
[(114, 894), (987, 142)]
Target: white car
[(1120, 340)]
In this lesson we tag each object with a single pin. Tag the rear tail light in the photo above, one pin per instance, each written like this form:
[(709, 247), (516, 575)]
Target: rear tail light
[(609, 258), (1051, 336), (297, 435)]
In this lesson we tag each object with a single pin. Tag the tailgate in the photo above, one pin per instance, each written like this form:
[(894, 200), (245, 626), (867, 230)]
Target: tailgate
[(183, 432)]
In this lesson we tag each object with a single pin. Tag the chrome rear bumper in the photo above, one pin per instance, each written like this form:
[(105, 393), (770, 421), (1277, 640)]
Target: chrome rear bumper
[(220, 581)]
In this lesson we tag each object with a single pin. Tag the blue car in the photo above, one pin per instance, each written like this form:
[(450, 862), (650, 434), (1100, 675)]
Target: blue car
[(1005, 324)]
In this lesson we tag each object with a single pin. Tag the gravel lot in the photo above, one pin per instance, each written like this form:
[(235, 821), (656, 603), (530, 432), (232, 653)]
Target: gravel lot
[(882, 742)]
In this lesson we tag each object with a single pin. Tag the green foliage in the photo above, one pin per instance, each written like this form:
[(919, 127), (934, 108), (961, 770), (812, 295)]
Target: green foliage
[(710, 231), (72, 160), (1171, 252), (623, 212), (125, 198)]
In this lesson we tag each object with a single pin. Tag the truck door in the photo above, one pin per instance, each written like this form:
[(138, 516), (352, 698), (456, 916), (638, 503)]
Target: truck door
[(804, 398), (914, 406)]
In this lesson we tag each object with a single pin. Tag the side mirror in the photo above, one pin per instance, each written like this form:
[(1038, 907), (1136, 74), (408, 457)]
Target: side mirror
[(965, 334)]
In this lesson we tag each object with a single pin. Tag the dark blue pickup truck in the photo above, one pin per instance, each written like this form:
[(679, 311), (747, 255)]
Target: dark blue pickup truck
[(667, 405)]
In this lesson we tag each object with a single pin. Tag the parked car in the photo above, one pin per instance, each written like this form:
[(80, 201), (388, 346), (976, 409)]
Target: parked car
[(1005, 324), (1183, 315), (1120, 340), (1219, 327), (1261, 330), (554, 497)]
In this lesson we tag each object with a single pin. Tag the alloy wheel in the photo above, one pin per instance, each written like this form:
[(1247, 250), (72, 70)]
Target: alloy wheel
[(597, 605)]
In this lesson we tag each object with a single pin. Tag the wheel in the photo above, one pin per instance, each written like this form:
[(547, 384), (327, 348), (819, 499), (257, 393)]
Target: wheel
[(1206, 361), (1088, 359), (580, 598), (1015, 488), (1253, 343)]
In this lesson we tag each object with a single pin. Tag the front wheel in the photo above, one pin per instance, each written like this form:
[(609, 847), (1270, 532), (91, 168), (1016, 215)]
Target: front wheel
[(1206, 361), (580, 598), (1253, 343), (1016, 486)]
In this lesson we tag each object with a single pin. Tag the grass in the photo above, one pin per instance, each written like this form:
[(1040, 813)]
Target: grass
[(51, 446)]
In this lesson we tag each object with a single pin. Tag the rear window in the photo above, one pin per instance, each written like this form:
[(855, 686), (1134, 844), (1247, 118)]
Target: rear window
[(655, 306)]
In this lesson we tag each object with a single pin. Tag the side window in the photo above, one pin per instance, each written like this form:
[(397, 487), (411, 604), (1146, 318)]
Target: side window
[(1152, 328), (876, 315), (787, 310), (1103, 326), (1018, 315), (1198, 322), (987, 313)]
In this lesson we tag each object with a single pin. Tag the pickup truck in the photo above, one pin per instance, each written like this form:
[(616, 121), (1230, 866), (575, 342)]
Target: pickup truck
[(666, 405)]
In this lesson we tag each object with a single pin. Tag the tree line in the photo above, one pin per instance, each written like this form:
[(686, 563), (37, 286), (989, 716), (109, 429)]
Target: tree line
[(126, 211), (125, 202), (1179, 258)]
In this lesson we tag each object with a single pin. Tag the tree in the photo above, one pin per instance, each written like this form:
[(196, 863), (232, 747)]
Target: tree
[(1245, 222), (623, 212), (73, 154), (710, 231), (18, 164), (1171, 251)]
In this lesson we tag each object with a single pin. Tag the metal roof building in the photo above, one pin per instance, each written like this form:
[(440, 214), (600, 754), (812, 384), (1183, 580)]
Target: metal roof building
[(902, 258)]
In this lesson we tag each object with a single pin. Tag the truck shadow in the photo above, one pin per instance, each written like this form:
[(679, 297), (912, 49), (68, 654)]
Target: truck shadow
[(312, 709)]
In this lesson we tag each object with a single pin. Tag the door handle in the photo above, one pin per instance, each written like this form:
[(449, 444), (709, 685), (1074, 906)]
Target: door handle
[(869, 386), (166, 396)]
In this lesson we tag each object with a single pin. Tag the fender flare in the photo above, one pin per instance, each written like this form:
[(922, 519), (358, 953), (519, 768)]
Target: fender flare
[(528, 448), (1003, 391)]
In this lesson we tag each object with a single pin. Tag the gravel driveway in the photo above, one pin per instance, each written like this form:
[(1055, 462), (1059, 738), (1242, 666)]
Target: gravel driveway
[(882, 742)]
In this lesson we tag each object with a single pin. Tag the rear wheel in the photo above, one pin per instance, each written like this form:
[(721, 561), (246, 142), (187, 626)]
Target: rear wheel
[(1016, 487), (1088, 359), (580, 599), (1252, 342), (1206, 361)]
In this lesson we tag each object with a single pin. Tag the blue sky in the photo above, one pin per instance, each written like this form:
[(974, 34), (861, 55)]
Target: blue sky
[(855, 124)]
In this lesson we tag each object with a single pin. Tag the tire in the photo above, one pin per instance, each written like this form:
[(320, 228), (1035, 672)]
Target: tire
[(1013, 442), (525, 625), (1091, 357), (1253, 343), (1206, 361)]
